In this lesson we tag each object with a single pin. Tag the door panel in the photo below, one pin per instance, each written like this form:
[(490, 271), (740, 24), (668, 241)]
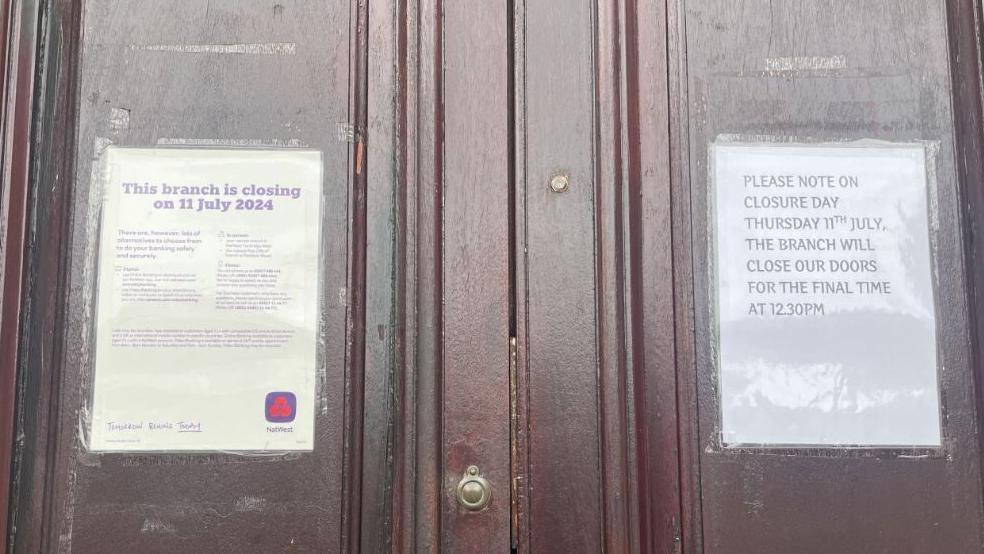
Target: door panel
[(560, 264), (475, 184), (188, 73), (596, 374), (818, 72), (438, 281)]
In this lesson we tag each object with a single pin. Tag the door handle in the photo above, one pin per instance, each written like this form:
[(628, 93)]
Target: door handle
[(474, 491)]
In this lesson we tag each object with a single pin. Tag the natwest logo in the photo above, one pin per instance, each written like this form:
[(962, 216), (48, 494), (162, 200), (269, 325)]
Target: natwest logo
[(281, 407)]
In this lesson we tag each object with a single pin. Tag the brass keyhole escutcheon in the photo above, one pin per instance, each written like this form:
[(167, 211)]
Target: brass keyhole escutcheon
[(474, 491)]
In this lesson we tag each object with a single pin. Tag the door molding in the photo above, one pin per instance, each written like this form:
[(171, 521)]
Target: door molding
[(18, 23), (965, 18), (437, 289), (32, 520)]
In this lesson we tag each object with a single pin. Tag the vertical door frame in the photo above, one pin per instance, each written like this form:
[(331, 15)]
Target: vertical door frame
[(964, 18), (17, 53), (356, 366), (685, 362)]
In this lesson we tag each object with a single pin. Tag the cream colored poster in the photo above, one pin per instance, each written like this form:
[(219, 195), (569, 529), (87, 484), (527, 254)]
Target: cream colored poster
[(206, 300)]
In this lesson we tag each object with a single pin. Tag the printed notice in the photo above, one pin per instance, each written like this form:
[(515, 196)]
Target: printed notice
[(827, 326), (207, 295)]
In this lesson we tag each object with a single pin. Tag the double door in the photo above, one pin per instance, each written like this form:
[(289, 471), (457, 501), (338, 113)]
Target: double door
[(516, 300)]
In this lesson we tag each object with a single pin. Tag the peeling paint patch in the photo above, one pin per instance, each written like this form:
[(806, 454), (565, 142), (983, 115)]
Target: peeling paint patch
[(806, 63), (250, 504), (119, 120), (263, 49), (755, 506), (345, 132), (153, 526), (101, 143), (281, 143), (209, 459)]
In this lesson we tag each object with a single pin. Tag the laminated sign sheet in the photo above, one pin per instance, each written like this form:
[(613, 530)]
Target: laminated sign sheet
[(207, 300), (825, 302)]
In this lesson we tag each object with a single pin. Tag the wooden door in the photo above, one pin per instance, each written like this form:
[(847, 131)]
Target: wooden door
[(194, 75), (826, 73), (557, 248), (518, 271)]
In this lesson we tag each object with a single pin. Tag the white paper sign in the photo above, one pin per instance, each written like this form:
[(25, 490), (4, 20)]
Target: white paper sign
[(207, 300), (827, 327)]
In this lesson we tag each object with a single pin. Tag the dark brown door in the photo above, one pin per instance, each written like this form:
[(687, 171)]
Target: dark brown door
[(761, 72), (617, 441), (517, 298), (519, 177), (525, 212), (197, 75), (482, 219)]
